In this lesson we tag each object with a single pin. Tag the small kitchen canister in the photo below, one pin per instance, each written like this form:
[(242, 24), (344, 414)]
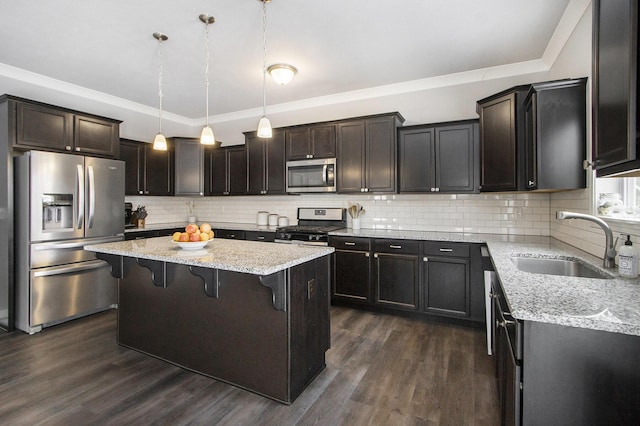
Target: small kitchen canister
[(283, 221), (273, 220), (263, 218)]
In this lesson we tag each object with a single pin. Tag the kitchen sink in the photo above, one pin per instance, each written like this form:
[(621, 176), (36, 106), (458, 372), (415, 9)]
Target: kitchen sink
[(568, 267)]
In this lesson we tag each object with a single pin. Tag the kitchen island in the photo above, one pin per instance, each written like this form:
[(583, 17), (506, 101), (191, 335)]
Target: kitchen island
[(252, 314)]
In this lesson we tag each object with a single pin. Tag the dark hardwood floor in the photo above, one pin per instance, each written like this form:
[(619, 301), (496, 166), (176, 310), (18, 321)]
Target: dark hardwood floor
[(381, 370)]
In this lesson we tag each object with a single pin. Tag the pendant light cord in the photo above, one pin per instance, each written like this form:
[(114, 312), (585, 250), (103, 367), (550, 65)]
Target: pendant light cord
[(206, 72), (160, 94), (264, 58)]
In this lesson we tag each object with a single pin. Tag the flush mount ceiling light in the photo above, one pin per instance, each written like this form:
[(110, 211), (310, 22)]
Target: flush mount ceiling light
[(264, 126), (282, 73), (160, 142), (207, 137)]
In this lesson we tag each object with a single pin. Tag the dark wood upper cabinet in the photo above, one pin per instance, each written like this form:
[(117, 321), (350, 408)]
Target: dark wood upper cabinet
[(555, 135), (416, 146), (96, 136), (500, 135), (265, 163), (438, 158), (147, 171), (189, 169), (313, 141), (615, 88), (366, 154), (351, 156), (46, 127), (533, 137), (226, 171)]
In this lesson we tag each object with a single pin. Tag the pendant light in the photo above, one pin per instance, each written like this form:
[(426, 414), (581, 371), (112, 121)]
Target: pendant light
[(160, 142), (264, 126), (206, 136)]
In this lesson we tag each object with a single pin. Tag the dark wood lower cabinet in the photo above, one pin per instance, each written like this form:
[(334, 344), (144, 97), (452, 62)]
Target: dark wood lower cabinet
[(229, 234), (397, 280), (267, 236), (437, 279), (447, 285), (352, 270)]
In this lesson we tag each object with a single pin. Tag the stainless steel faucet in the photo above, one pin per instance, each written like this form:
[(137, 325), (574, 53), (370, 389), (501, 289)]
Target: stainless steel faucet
[(610, 249)]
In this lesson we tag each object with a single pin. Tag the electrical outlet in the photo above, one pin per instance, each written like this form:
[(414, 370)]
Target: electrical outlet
[(517, 212), (311, 288)]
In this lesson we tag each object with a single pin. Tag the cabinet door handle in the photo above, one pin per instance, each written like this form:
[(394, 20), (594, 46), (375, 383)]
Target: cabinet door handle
[(425, 259), (446, 250), (366, 255), (375, 255), (366, 190), (349, 243), (433, 189), (437, 189), (68, 148), (531, 183), (394, 246)]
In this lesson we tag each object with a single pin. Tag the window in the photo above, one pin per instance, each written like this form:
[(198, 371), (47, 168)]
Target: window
[(618, 198)]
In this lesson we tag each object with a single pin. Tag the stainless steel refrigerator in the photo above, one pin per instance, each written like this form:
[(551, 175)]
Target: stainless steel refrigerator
[(63, 202)]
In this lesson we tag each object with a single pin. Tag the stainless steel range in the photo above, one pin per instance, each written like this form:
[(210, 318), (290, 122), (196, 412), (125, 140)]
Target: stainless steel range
[(313, 226)]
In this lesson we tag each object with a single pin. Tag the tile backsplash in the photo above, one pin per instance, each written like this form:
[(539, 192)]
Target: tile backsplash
[(501, 213)]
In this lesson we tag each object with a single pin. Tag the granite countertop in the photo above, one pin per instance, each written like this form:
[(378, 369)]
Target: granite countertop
[(599, 304), (251, 257), (214, 225)]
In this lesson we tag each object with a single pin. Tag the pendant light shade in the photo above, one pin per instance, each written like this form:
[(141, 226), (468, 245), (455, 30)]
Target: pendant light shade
[(160, 142), (264, 126), (206, 136)]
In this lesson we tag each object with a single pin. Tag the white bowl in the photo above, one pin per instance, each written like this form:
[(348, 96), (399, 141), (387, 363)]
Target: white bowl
[(191, 245)]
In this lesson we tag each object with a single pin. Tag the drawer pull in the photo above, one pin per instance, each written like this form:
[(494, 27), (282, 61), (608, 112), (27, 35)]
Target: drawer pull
[(394, 246), (446, 250), (260, 237), (349, 243)]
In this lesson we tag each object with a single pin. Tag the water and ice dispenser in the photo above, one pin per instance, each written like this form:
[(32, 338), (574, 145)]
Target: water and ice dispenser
[(57, 212)]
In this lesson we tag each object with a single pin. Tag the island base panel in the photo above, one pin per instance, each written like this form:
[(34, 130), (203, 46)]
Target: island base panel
[(239, 337)]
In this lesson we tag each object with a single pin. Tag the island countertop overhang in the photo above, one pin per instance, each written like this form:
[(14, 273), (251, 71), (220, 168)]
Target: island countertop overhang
[(251, 257)]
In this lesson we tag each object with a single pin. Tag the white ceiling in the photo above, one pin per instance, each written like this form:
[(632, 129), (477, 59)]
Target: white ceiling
[(339, 46)]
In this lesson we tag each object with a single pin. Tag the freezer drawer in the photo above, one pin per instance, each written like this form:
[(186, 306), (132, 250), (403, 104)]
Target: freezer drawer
[(62, 292), (64, 252)]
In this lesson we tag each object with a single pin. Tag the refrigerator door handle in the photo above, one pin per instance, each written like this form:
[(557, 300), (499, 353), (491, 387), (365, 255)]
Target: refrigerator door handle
[(80, 178), (61, 270), (92, 196)]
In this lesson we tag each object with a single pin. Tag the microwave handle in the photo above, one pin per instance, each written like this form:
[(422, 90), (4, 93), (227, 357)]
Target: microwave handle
[(325, 170)]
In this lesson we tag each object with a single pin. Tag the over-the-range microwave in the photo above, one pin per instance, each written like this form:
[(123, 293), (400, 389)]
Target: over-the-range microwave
[(311, 175)]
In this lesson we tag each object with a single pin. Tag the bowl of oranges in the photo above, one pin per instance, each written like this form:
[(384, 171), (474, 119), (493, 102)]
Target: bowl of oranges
[(194, 237)]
